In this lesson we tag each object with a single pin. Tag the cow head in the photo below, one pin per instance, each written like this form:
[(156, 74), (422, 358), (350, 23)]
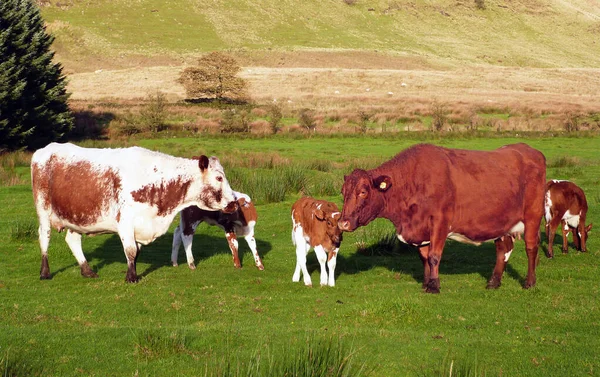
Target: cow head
[(330, 218), (363, 198), (216, 194)]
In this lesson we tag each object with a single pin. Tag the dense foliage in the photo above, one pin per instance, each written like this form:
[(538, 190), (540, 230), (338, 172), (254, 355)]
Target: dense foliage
[(214, 77), (33, 97)]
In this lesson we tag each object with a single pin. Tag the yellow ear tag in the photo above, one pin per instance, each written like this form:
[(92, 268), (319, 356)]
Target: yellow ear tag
[(382, 185)]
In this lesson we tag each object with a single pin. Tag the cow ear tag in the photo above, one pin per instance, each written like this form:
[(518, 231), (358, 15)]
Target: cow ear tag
[(383, 185)]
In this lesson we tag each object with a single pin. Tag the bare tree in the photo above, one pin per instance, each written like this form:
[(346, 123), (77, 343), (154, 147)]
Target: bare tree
[(215, 76)]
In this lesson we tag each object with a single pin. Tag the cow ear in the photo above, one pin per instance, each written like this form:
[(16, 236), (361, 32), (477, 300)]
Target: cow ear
[(382, 183), (319, 214), (589, 228), (203, 162), (242, 202)]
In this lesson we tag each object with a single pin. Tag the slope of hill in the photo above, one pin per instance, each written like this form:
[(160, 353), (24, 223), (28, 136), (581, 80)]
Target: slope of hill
[(377, 33)]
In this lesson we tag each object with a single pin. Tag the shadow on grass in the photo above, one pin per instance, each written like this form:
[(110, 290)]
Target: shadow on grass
[(457, 259), (158, 253)]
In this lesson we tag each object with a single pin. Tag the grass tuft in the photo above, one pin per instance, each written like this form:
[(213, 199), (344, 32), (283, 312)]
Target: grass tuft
[(151, 344), (13, 364), (25, 230)]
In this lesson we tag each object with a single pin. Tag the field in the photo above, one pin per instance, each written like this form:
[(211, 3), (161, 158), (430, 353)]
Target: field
[(217, 320)]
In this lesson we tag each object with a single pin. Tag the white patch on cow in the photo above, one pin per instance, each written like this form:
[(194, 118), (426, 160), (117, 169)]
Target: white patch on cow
[(507, 255), (517, 228), (424, 243), (548, 206), (559, 180), (571, 220), (237, 195)]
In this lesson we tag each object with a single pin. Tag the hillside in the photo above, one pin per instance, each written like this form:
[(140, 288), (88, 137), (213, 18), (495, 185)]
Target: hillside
[(112, 34)]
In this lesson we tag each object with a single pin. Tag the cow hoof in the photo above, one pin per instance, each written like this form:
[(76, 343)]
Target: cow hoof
[(87, 272), (528, 285), (493, 284), (175, 264), (238, 266), (260, 267), (433, 286), (192, 266), (549, 255), (45, 277)]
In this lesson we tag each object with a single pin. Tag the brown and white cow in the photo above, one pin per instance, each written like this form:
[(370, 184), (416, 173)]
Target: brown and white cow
[(236, 224), (315, 225), (133, 192), (566, 205), (432, 193)]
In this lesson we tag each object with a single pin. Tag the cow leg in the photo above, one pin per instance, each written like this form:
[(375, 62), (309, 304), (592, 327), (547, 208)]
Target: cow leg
[(322, 258), (131, 249), (331, 263), (44, 232), (74, 241), (565, 234), (532, 242), (233, 246), (551, 232), (504, 247), (302, 248), (423, 255), (252, 245), (177, 235), (436, 248)]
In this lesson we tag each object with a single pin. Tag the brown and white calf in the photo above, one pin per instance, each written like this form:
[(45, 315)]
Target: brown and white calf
[(133, 192), (315, 225), (236, 224), (566, 205)]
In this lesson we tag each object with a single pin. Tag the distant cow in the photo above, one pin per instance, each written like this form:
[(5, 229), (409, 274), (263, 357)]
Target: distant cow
[(432, 193), (315, 225), (236, 224), (130, 191), (566, 205)]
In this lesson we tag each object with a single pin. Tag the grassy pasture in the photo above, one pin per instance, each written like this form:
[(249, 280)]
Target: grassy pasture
[(182, 322)]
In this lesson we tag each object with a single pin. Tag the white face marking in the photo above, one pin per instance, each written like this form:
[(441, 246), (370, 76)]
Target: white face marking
[(334, 214), (507, 255)]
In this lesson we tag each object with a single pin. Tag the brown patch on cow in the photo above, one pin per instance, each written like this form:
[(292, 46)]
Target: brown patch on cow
[(77, 192), (45, 268), (165, 196)]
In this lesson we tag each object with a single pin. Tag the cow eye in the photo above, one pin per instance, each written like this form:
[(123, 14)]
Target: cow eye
[(220, 179), (363, 194)]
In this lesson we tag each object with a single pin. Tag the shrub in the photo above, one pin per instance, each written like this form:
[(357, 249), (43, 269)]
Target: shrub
[(306, 118), (234, 121), (439, 115), (571, 121), (275, 116), (363, 121), (153, 115)]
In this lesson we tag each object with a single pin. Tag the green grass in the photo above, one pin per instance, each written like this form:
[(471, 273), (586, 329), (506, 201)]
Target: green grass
[(527, 33), (179, 322)]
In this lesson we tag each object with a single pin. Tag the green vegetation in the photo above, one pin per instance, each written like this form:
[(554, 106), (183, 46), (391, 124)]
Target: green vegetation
[(219, 321), (529, 33), (33, 97)]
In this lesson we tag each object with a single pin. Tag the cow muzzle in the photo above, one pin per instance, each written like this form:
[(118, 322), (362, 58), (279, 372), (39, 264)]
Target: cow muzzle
[(231, 207), (345, 226)]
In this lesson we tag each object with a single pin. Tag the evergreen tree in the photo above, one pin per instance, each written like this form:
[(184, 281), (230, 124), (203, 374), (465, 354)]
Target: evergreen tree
[(33, 97)]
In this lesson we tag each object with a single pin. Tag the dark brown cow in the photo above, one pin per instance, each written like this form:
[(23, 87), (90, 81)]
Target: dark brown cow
[(237, 224), (432, 193), (566, 205), (315, 225)]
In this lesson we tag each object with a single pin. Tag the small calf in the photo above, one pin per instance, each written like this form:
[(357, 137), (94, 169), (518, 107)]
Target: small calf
[(315, 225), (566, 205), (236, 224)]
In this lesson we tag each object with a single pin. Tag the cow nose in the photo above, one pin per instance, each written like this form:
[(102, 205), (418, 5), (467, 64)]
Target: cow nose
[(231, 207), (344, 225)]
